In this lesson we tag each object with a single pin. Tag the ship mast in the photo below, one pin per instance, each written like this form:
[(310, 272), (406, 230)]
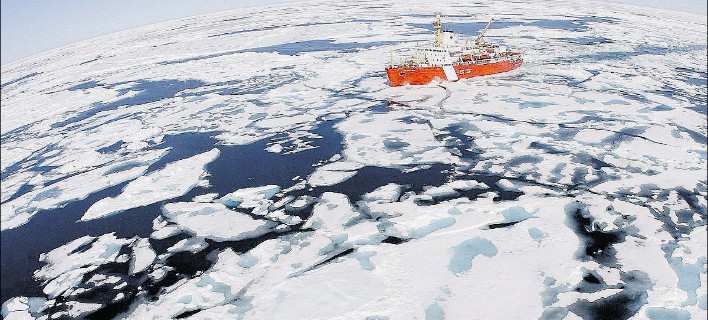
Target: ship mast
[(478, 42), (437, 25)]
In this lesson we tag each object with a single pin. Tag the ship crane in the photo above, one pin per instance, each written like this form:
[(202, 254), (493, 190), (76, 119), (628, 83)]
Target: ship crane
[(445, 59), (478, 42)]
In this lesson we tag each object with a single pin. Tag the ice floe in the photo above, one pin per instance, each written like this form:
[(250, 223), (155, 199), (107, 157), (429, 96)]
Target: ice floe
[(66, 266), (573, 186), (174, 180), (214, 221), (18, 211)]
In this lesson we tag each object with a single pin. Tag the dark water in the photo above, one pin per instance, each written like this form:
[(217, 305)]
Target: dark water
[(237, 167), (20, 79), (294, 48), (468, 28), (577, 24), (148, 91), (277, 26), (588, 40), (596, 244)]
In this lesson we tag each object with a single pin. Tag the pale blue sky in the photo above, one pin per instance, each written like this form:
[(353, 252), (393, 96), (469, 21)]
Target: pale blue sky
[(33, 26)]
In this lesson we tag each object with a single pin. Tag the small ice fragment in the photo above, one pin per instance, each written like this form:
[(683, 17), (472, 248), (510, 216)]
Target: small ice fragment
[(215, 221), (249, 197), (388, 193), (275, 148), (441, 191), (466, 185), (506, 185), (143, 256), (209, 197)]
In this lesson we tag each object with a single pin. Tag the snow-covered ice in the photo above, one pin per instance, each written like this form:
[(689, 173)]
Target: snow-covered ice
[(255, 163), (174, 180), (214, 221)]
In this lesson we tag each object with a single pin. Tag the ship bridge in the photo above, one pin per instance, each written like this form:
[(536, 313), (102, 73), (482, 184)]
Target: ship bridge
[(436, 56)]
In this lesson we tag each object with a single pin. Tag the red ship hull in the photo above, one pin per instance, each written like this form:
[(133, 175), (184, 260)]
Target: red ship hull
[(424, 75)]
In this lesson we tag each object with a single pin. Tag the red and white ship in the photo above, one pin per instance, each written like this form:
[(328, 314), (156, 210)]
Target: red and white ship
[(449, 60)]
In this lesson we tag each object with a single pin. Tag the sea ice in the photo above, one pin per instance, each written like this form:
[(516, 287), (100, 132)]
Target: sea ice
[(66, 266), (388, 193), (142, 256), (215, 221), (257, 198), (174, 180), (19, 210), (615, 122)]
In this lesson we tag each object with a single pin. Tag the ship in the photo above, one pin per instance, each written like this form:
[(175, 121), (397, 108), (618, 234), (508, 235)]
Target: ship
[(448, 60)]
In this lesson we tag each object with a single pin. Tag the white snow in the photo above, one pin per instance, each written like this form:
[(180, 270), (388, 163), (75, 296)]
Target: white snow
[(331, 213), (19, 210), (386, 140), (257, 198), (215, 221), (387, 193), (66, 266), (23, 308), (607, 124), (174, 180), (142, 256), (333, 173)]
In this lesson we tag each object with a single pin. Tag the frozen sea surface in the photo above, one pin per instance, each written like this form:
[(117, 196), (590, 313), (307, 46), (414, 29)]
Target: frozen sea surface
[(255, 164)]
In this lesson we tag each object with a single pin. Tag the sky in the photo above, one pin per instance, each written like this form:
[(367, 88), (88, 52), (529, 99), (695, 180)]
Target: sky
[(29, 27), (33, 26)]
